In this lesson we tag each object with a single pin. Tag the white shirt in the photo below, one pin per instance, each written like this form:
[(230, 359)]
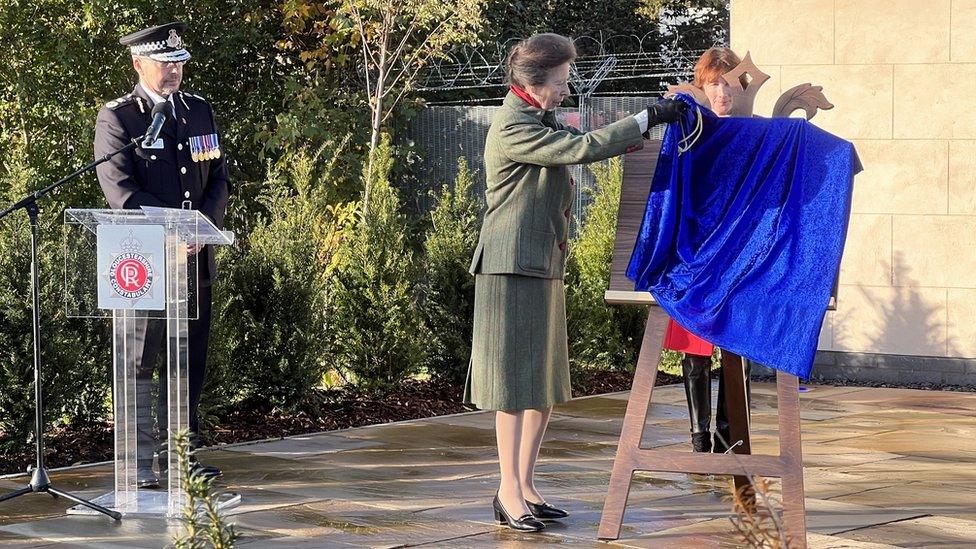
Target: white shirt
[(641, 118)]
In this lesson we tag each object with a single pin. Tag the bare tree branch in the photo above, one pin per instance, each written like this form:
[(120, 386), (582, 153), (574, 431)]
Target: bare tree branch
[(403, 42), (368, 59), (418, 52)]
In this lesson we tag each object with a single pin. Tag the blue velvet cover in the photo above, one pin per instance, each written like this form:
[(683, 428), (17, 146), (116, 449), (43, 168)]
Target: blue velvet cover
[(743, 234)]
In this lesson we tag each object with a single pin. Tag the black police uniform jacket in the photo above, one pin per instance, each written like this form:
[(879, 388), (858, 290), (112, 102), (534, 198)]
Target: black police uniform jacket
[(165, 177)]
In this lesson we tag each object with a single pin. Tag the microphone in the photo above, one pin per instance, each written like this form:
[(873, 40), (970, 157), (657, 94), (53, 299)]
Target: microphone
[(160, 112)]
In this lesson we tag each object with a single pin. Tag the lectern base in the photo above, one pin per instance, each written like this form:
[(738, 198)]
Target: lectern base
[(150, 503)]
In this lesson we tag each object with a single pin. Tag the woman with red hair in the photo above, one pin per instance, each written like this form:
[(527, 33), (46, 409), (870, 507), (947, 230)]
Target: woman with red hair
[(697, 361)]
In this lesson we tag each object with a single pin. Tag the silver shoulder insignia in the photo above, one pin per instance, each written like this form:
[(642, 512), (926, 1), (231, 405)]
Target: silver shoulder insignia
[(118, 102)]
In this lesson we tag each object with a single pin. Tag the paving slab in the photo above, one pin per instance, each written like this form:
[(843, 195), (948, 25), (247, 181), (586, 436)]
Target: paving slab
[(884, 468), (928, 532)]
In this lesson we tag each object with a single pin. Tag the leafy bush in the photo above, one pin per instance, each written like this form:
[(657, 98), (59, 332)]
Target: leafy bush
[(448, 309), (268, 343), (600, 335), (373, 324), (74, 352), (49, 96)]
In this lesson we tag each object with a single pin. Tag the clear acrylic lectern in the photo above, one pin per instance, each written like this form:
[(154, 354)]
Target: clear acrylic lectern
[(132, 266)]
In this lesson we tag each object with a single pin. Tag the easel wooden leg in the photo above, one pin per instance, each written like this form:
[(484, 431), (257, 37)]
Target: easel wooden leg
[(791, 452), (737, 410), (632, 430)]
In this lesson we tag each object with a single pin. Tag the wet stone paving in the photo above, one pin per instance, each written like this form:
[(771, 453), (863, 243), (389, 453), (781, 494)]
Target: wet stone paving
[(883, 468)]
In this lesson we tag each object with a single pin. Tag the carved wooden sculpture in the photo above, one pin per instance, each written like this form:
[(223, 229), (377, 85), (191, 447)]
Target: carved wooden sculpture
[(631, 457)]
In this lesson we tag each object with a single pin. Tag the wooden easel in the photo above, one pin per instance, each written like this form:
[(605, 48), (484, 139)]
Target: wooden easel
[(631, 457)]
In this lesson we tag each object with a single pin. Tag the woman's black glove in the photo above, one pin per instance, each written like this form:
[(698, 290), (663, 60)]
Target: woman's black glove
[(664, 111)]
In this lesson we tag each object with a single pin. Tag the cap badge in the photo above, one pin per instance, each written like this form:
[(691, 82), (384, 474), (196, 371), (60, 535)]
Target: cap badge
[(174, 40)]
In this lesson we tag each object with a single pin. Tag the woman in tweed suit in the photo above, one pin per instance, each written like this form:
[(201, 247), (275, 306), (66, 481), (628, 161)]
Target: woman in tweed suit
[(519, 357)]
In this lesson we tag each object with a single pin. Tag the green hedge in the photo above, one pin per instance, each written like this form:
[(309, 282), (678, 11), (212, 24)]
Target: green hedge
[(448, 307), (268, 344), (373, 325), (600, 336)]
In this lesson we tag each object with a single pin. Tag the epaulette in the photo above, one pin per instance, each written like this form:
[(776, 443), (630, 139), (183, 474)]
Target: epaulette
[(119, 101), (184, 97), (194, 96)]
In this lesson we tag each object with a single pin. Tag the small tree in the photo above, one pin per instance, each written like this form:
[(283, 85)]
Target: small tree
[(374, 328), (268, 346), (204, 524), (599, 335), (449, 289), (397, 39)]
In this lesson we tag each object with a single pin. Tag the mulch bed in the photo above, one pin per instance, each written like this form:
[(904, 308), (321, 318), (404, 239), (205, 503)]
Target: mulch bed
[(75, 444)]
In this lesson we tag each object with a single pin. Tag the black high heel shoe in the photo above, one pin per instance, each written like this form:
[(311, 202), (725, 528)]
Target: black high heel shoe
[(525, 523), (544, 511)]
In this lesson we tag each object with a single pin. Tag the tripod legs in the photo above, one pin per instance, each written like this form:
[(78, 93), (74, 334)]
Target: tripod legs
[(17, 493), (93, 506), (55, 493), (40, 483)]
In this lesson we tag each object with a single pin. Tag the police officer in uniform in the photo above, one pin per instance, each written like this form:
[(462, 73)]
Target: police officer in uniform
[(184, 168)]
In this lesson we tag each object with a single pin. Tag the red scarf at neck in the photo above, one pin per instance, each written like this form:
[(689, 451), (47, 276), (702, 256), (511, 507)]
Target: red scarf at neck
[(524, 96)]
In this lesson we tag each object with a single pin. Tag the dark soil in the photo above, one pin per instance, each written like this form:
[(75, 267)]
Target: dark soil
[(340, 409)]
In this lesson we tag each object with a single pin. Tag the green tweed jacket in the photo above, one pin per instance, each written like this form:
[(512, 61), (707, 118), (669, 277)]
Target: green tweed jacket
[(527, 159)]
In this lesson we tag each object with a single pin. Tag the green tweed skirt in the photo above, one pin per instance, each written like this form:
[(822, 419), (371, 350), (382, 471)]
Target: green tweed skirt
[(519, 351)]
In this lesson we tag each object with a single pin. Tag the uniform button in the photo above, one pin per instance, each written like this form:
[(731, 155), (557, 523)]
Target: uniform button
[(179, 146), (183, 170), (152, 157), (566, 213), (186, 194)]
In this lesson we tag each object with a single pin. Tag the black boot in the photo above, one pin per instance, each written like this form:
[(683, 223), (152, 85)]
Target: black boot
[(698, 392), (701, 442)]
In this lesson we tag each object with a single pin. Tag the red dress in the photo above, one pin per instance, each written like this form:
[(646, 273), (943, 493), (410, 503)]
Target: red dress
[(677, 338)]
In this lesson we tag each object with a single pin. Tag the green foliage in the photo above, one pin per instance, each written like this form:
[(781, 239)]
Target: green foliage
[(449, 287), (373, 324), (268, 344), (423, 27), (68, 63), (204, 525), (670, 362), (600, 335), (692, 25), (508, 20), (668, 26), (74, 352)]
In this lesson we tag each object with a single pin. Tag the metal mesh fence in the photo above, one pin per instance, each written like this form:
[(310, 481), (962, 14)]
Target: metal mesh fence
[(442, 134)]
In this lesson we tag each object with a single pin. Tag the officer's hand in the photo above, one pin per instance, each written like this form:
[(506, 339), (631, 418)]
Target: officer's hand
[(665, 110)]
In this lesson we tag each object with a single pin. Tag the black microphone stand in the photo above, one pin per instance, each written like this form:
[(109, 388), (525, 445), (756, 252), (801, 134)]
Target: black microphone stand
[(40, 482)]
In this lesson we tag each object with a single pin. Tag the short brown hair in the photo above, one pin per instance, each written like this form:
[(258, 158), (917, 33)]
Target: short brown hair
[(715, 62), (530, 61)]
